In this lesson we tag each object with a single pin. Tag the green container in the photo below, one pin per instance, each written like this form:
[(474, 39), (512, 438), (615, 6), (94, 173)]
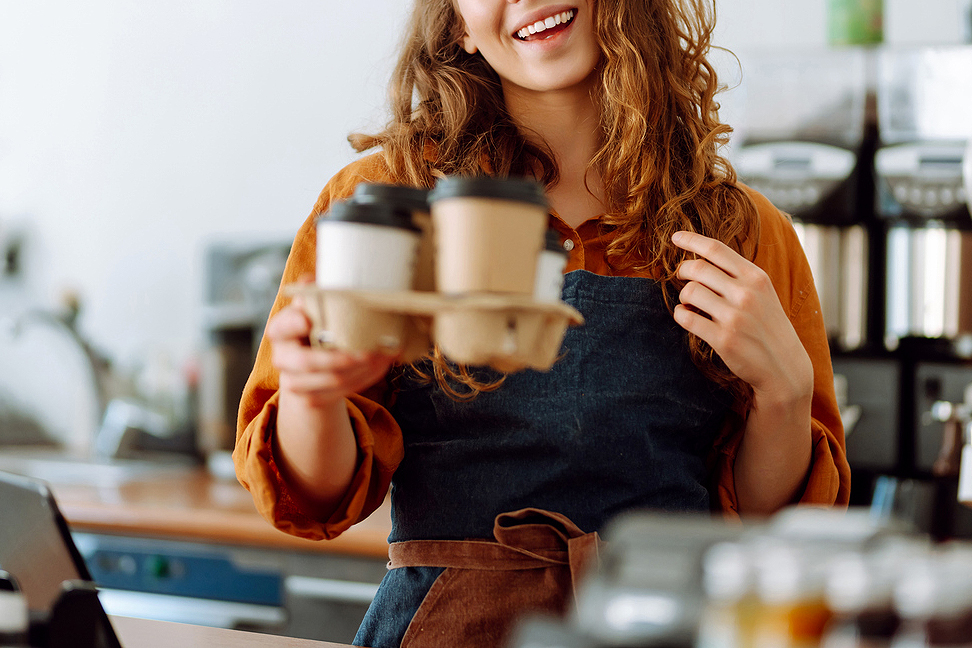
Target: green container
[(855, 22)]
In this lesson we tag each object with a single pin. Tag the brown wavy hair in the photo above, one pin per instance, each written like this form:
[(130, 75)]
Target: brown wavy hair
[(658, 156)]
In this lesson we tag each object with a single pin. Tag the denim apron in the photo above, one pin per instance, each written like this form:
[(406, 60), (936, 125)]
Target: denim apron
[(624, 420)]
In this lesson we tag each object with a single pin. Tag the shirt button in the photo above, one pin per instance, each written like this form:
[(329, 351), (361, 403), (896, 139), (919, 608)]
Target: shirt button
[(569, 245)]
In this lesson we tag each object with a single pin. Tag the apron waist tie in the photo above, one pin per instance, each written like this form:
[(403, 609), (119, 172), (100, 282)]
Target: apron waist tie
[(529, 538)]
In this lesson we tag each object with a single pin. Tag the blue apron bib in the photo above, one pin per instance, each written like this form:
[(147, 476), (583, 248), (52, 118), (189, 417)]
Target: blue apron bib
[(624, 420)]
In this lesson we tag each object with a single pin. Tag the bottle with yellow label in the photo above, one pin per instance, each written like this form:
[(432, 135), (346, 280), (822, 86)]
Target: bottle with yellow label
[(790, 584)]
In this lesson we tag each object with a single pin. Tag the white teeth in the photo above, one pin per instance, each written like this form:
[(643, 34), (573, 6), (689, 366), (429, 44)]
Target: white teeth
[(547, 23)]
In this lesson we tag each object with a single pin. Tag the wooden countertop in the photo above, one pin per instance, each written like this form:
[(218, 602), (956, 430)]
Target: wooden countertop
[(142, 633), (180, 503)]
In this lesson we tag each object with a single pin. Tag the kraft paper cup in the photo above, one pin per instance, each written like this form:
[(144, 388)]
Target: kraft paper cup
[(488, 233), (366, 247)]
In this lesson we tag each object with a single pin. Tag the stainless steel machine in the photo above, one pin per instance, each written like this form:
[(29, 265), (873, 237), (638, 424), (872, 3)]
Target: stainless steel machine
[(923, 97), (807, 134), (242, 278), (865, 149), (809, 130)]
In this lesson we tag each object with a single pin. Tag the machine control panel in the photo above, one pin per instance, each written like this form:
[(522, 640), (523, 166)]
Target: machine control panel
[(922, 179), (794, 175)]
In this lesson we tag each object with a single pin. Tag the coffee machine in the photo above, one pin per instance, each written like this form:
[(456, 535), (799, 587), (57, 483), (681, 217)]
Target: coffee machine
[(808, 132), (923, 96), (242, 278), (923, 99), (805, 144)]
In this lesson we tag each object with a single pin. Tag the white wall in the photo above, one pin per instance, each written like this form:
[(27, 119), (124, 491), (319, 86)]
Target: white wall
[(133, 132), (803, 23)]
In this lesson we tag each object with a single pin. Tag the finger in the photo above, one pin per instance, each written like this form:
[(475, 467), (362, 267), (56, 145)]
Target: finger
[(701, 297), (302, 359), (368, 376), (705, 273), (335, 376), (715, 251), (299, 299), (698, 325), (289, 323), (339, 383), (326, 382)]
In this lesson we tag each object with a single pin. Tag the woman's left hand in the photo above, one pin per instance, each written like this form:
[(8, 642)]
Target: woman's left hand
[(730, 303)]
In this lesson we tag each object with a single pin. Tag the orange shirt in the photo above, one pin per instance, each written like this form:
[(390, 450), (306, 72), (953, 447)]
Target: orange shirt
[(380, 439)]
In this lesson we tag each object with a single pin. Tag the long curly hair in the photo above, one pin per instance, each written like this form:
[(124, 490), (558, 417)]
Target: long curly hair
[(658, 156)]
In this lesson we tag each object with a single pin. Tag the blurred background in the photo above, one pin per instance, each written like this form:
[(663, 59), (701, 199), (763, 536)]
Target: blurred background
[(156, 159), (140, 141)]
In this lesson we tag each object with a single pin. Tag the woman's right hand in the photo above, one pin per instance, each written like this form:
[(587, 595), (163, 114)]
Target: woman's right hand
[(314, 444), (319, 377)]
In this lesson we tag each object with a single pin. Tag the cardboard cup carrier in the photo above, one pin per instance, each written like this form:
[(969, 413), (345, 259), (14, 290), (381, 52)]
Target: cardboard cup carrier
[(463, 270)]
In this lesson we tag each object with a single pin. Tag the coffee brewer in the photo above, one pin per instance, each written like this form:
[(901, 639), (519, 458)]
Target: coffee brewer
[(865, 149), (923, 97), (805, 146), (242, 278), (808, 132)]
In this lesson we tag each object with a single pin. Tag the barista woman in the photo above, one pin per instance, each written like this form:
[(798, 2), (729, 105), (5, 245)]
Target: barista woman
[(701, 378)]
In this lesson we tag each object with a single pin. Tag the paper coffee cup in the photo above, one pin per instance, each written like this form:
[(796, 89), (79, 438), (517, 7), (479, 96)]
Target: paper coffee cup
[(415, 201), (410, 199), (366, 247), (487, 233), (550, 269)]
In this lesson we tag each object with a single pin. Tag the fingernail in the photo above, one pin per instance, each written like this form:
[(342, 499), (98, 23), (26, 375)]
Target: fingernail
[(677, 236)]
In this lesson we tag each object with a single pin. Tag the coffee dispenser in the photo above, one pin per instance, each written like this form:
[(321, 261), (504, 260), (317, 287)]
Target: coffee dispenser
[(923, 96), (808, 131), (807, 137), (242, 278), (923, 100)]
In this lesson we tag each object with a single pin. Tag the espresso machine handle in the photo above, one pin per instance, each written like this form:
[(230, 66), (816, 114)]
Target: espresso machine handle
[(949, 461), (954, 460), (965, 470), (954, 416)]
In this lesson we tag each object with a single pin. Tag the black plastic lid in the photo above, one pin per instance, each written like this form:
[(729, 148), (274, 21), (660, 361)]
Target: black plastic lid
[(518, 189), (350, 211), (8, 583), (411, 198), (552, 242)]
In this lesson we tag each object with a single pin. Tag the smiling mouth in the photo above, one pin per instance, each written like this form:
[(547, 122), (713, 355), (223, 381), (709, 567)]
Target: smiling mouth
[(547, 27)]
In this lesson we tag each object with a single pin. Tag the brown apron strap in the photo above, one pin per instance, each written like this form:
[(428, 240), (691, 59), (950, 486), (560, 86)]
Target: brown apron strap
[(466, 554), (525, 539)]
